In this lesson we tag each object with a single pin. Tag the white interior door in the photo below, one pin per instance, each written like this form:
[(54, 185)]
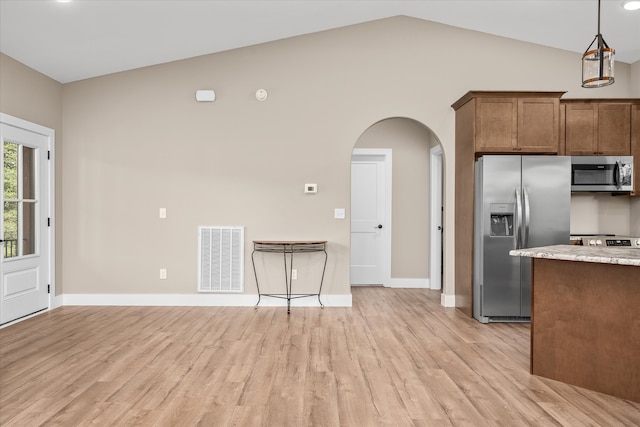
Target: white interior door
[(24, 261), (370, 222)]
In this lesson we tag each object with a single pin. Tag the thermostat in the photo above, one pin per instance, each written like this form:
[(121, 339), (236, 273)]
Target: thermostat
[(311, 188)]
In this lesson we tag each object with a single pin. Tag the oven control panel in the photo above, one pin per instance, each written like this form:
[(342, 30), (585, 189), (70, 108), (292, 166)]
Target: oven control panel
[(612, 241)]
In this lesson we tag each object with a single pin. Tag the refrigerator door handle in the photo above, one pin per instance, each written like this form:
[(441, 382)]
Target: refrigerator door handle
[(527, 217), (518, 218)]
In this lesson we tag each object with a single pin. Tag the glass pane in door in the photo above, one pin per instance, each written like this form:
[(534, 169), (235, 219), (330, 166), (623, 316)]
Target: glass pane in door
[(10, 197), (20, 200), (28, 228), (28, 173), (10, 166), (10, 232)]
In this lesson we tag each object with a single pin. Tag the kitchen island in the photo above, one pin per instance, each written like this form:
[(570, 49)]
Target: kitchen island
[(585, 317)]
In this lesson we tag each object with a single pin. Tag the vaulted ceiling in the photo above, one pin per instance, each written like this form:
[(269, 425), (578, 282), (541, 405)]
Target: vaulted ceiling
[(78, 39)]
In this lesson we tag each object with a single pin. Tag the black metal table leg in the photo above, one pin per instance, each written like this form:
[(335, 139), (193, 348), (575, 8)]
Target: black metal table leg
[(256, 276), (322, 278), (290, 247)]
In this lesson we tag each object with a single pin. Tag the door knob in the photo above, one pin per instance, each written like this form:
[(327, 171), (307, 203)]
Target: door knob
[(379, 226)]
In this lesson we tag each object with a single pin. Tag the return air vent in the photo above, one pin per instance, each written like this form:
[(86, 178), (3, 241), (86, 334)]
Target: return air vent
[(221, 259)]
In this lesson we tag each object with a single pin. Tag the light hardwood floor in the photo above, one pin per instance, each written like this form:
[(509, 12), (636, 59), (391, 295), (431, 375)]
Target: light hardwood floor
[(396, 358)]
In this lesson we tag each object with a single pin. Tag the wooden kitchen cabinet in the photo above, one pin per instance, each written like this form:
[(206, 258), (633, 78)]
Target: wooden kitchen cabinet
[(494, 123), (516, 123), (597, 128)]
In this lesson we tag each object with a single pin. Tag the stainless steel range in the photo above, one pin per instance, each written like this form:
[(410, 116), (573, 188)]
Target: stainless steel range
[(612, 241)]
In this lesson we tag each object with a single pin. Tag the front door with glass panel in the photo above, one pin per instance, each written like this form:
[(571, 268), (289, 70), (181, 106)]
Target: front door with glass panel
[(24, 261)]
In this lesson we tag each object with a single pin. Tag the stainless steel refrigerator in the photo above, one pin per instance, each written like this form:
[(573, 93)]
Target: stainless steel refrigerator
[(520, 202)]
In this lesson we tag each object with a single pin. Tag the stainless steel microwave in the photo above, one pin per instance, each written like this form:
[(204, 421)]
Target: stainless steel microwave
[(611, 174)]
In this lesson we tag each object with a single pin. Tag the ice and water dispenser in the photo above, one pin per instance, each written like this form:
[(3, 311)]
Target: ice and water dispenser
[(501, 219)]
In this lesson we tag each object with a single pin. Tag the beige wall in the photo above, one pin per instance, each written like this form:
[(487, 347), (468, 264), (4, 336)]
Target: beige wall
[(137, 141), (634, 227), (635, 80), (600, 213), (32, 96)]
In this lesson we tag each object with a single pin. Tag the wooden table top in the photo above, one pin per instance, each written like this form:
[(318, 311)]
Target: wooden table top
[(289, 242)]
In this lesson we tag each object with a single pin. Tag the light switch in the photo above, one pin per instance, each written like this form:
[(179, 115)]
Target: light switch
[(339, 213), (163, 213)]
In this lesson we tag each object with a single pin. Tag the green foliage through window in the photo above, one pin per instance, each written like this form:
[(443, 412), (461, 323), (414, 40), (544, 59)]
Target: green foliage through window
[(10, 192)]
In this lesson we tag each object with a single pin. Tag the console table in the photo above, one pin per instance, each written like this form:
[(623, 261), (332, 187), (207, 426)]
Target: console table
[(289, 247)]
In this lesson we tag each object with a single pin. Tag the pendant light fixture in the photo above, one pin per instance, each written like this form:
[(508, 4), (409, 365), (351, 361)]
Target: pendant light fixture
[(597, 64)]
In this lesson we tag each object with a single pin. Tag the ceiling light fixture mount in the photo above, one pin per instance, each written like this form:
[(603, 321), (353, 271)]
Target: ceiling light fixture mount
[(597, 64)]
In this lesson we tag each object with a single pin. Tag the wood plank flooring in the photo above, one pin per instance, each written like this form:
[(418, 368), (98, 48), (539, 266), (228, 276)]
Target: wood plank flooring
[(396, 358)]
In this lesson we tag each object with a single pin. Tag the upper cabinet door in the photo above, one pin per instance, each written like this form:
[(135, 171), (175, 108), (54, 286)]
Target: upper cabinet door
[(517, 125), (614, 129), (581, 124), (496, 125), (538, 125), (598, 129)]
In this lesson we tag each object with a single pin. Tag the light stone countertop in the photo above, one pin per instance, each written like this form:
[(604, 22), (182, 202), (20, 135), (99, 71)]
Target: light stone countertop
[(602, 255)]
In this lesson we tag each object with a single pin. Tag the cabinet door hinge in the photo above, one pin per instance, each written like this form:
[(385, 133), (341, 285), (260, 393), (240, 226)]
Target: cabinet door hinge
[(48, 155), (48, 222), (48, 289)]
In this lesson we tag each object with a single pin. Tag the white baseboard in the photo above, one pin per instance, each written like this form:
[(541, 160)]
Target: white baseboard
[(56, 301), (200, 300), (409, 283), (447, 300)]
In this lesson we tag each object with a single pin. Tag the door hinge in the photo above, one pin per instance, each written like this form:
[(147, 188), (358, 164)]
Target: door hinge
[(48, 155), (48, 222), (48, 289)]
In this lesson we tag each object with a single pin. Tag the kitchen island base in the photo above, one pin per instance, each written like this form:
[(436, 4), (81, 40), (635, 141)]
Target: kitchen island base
[(585, 327)]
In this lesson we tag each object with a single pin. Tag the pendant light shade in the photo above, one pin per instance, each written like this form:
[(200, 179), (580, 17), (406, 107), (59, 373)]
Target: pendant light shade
[(597, 64)]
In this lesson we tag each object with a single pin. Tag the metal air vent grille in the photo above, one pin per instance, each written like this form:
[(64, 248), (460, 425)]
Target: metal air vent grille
[(221, 259)]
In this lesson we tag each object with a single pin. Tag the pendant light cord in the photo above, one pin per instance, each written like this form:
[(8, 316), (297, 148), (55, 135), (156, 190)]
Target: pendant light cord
[(600, 46)]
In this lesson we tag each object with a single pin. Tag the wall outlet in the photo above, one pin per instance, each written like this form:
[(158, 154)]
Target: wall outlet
[(163, 273), (294, 274)]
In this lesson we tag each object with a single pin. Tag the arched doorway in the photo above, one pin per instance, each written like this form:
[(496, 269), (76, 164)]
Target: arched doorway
[(410, 143)]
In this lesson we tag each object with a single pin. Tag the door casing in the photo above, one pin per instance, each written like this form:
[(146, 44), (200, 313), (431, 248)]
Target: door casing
[(435, 265)]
